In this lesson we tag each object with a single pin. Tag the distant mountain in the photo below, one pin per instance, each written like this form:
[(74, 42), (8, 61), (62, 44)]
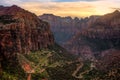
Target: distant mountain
[(64, 28), (100, 35)]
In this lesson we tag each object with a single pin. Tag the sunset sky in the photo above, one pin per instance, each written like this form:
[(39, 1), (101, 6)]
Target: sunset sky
[(74, 8)]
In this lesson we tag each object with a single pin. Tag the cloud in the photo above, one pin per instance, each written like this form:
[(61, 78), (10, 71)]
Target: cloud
[(18, 2), (72, 0), (115, 8), (35, 0), (62, 9), (10, 2), (79, 8)]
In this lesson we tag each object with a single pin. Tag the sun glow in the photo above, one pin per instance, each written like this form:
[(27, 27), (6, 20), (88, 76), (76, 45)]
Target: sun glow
[(77, 8)]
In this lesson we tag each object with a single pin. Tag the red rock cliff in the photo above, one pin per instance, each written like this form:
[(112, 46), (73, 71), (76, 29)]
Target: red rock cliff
[(22, 32)]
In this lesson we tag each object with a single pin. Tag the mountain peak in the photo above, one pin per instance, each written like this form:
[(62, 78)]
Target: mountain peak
[(116, 11), (10, 10), (14, 6), (1, 6), (48, 14)]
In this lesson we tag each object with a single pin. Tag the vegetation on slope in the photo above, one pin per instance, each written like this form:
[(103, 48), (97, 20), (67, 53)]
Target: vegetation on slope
[(53, 63)]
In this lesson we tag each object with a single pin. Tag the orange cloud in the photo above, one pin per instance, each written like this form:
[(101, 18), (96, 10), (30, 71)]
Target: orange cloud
[(79, 9)]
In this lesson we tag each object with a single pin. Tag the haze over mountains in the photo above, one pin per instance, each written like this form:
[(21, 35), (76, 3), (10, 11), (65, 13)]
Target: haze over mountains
[(106, 29), (28, 49), (64, 28)]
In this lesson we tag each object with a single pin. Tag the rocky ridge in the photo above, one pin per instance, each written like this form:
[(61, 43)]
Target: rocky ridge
[(64, 28), (21, 31), (102, 34)]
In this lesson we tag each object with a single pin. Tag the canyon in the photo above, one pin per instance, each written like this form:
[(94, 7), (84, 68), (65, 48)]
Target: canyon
[(30, 46), (95, 39)]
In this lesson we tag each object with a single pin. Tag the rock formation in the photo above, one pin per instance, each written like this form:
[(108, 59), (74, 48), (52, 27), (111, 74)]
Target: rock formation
[(100, 35), (64, 28), (21, 32)]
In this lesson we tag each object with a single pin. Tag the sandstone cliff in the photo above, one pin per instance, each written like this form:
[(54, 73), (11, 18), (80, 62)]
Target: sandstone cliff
[(21, 32), (64, 28), (100, 35)]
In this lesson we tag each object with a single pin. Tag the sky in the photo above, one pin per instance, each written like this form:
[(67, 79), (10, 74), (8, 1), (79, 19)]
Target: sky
[(73, 8)]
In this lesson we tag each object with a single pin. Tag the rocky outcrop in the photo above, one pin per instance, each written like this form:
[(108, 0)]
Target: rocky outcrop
[(64, 28), (107, 26), (100, 35), (22, 32)]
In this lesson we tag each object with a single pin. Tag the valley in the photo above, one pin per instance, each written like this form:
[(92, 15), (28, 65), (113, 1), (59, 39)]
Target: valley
[(99, 34), (50, 47)]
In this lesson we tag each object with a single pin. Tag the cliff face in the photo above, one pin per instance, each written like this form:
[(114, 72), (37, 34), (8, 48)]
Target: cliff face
[(22, 32), (107, 26), (64, 28), (100, 35)]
